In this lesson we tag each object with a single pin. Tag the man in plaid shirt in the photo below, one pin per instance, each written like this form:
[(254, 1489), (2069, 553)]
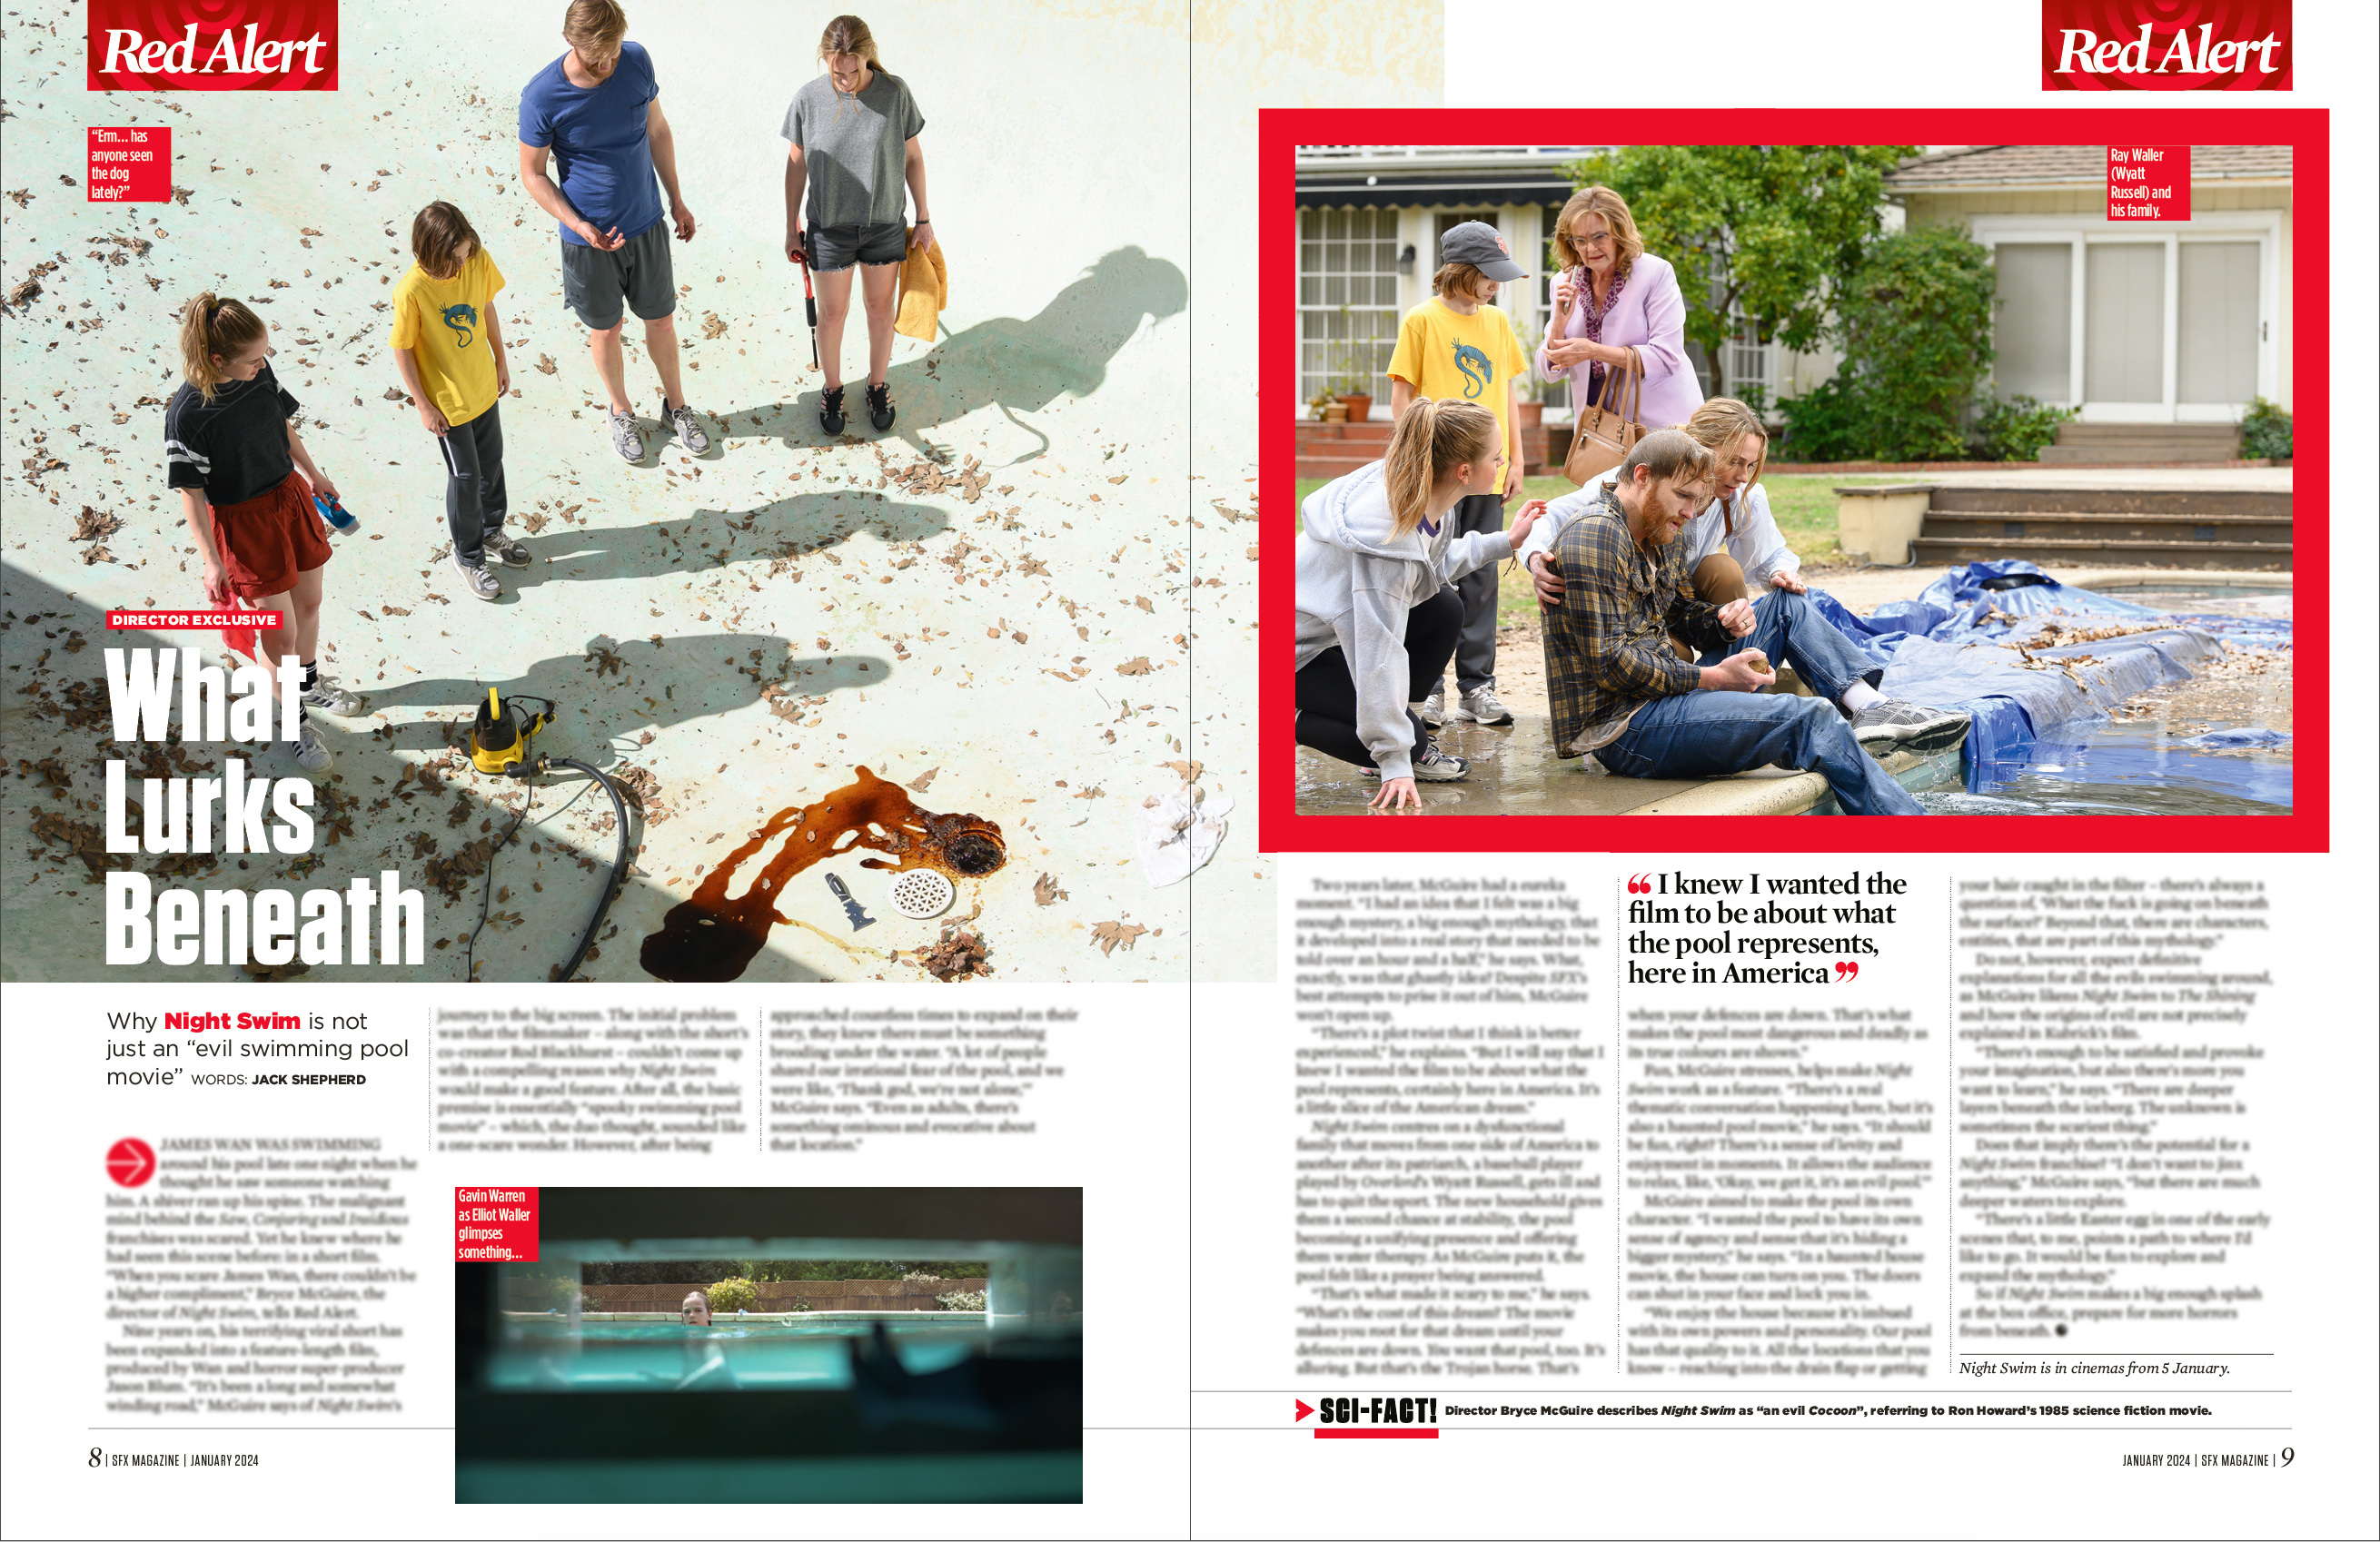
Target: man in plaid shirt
[(1621, 692)]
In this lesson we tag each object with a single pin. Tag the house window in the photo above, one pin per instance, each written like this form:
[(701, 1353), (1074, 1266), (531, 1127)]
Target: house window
[(1751, 364), (1557, 397), (1347, 300)]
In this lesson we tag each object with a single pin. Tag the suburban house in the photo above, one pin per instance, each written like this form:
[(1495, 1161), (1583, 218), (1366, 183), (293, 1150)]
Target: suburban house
[(2172, 322), (2169, 322)]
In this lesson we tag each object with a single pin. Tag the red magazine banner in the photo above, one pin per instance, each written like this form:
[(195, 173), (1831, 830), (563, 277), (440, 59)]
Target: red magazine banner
[(2159, 46), (495, 1226), (212, 45), (2148, 182), (130, 165)]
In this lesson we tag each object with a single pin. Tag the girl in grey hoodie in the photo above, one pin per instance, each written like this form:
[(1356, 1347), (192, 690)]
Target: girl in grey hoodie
[(1375, 622)]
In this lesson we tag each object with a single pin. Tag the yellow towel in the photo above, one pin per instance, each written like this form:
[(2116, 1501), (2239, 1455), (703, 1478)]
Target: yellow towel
[(925, 290)]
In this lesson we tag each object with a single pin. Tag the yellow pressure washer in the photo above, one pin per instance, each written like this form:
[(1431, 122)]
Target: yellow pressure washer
[(500, 731)]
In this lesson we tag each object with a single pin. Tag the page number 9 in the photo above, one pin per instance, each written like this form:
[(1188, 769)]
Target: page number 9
[(2289, 1454)]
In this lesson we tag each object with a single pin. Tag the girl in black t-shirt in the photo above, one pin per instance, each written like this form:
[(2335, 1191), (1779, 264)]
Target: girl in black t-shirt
[(247, 488)]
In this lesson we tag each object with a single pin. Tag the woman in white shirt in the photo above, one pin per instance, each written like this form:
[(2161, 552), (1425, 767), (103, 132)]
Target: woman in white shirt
[(1733, 548)]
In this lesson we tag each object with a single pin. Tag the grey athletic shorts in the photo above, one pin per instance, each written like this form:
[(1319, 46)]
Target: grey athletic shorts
[(594, 284), (838, 247)]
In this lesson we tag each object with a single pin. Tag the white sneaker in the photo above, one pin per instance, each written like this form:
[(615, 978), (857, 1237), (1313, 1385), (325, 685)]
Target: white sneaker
[(1431, 710), (329, 696), (309, 750), (1481, 707)]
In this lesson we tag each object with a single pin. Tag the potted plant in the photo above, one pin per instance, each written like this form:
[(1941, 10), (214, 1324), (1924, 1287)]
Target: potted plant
[(1351, 383)]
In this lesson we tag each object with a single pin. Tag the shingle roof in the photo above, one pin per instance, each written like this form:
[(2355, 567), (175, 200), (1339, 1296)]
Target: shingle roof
[(1987, 165)]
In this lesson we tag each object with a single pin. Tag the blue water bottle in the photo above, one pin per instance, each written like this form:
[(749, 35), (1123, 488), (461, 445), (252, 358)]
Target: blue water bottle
[(331, 511)]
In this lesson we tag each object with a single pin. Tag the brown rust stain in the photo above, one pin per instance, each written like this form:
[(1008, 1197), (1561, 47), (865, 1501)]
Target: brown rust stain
[(712, 937)]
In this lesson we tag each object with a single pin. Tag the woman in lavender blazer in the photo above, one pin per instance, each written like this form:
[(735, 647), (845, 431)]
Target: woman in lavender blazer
[(1613, 295)]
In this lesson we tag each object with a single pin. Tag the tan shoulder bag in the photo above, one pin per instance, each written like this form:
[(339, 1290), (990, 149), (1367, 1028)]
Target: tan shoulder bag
[(1604, 433)]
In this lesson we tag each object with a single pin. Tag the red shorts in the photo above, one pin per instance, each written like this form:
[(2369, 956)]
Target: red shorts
[(269, 539)]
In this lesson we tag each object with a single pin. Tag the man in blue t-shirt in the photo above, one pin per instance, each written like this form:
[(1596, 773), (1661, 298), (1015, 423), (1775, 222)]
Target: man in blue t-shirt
[(597, 110)]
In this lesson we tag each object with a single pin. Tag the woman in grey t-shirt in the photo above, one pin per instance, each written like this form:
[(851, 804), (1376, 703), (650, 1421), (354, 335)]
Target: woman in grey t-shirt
[(854, 137)]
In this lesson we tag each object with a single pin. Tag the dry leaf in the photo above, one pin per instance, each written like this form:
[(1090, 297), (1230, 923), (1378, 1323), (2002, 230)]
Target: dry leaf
[(1046, 891), (1137, 666), (1108, 935), (925, 779)]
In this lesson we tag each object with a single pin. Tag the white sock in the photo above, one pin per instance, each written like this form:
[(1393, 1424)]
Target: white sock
[(1860, 696)]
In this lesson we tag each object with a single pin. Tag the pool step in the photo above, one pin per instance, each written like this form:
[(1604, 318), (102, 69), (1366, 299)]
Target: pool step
[(2206, 527)]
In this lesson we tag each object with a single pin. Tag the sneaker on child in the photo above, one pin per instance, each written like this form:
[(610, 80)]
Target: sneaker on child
[(478, 579), (326, 695), (830, 416), (880, 407), (1431, 708), (505, 550), (309, 751)]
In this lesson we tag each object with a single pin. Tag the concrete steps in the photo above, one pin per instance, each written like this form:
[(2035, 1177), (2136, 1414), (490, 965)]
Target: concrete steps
[(2175, 527), (2142, 444)]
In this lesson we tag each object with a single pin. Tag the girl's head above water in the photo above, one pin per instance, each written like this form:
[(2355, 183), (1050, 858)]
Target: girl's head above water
[(695, 1310)]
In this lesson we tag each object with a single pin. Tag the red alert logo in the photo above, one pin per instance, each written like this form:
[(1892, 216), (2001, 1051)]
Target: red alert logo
[(130, 1162), (212, 45), (2165, 45)]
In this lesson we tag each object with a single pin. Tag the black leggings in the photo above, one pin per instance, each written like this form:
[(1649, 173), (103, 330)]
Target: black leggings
[(1326, 691)]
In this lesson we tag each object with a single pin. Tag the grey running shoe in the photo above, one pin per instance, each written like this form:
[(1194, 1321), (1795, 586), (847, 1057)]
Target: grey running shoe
[(1435, 765), (1432, 708), (505, 550), (329, 696), (479, 580), (309, 750), (624, 437), (1901, 725), (1481, 706), (687, 427)]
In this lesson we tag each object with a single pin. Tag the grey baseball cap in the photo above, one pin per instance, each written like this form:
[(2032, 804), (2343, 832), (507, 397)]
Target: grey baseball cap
[(1476, 242)]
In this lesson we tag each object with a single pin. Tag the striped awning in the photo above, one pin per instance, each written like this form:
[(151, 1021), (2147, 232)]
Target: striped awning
[(1365, 191)]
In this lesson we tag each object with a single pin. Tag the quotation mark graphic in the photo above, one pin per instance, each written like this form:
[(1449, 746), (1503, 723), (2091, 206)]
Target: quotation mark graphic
[(1845, 971), (130, 1162), (1640, 883)]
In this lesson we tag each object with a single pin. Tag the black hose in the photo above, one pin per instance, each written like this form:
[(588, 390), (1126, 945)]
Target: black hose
[(619, 868)]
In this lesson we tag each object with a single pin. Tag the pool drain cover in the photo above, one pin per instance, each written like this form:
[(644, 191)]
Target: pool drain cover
[(922, 894)]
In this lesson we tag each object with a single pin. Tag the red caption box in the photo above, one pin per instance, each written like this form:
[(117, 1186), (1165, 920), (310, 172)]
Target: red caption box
[(191, 621), (2148, 182), (495, 1226), (130, 166)]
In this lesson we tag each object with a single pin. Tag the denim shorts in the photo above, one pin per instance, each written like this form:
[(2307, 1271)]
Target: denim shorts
[(838, 247)]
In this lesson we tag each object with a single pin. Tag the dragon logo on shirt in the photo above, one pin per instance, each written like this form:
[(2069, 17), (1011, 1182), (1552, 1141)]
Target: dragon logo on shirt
[(1477, 374), (460, 319)]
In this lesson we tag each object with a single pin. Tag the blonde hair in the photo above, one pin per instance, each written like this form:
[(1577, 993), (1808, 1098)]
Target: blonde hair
[(593, 23), (215, 328), (1718, 424), (1459, 278), (1666, 455), (1432, 440), (1598, 199), (848, 34), (440, 234)]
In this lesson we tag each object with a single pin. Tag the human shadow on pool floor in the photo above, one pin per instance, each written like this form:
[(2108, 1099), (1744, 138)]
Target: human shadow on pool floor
[(614, 689), (1016, 366), (708, 539)]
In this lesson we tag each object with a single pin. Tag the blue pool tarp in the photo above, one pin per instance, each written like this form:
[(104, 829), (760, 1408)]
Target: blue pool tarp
[(1947, 648)]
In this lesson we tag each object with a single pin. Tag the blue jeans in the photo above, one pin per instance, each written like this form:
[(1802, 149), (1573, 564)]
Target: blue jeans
[(1721, 732), (1788, 626)]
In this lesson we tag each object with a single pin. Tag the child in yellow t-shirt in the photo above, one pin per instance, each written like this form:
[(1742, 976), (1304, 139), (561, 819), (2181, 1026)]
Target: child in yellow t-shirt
[(450, 353), (1458, 346)]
